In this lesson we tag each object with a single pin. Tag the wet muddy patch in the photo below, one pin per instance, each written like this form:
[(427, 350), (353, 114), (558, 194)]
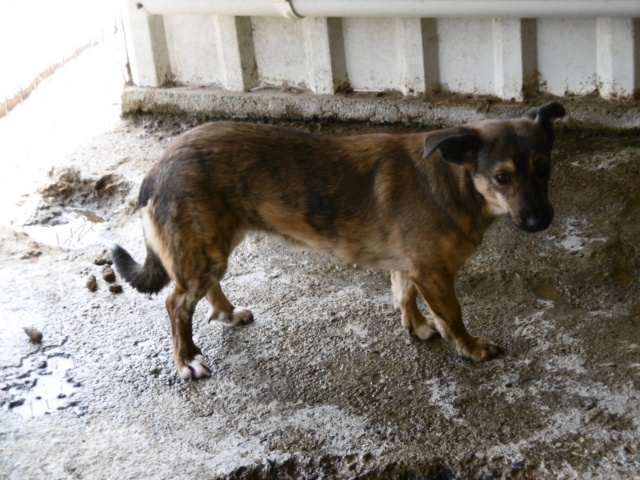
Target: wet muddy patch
[(71, 228), (42, 385), (71, 189), (74, 211)]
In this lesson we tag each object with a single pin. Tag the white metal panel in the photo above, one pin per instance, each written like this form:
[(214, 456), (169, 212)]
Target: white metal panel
[(615, 56), (191, 40), (317, 49), (507, 58), (466, 55), (280, 53), (399, 8), (504, 56), (372, 53), (567, 55)]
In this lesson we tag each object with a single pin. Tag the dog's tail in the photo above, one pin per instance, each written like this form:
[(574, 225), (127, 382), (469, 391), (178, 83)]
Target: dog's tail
[(148, 278)]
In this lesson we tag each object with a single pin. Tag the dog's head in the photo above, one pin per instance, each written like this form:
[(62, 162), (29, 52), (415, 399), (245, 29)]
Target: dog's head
[(509, 161)]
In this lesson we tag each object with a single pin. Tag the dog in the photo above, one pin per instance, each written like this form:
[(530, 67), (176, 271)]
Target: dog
[(415, 204)]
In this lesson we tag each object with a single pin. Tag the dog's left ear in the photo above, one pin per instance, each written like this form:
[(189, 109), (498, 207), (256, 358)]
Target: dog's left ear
[(458, 145), (543, 116), (546, 112)]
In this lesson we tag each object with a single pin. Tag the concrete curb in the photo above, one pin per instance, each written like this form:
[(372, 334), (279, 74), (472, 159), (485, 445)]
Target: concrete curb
[(439, 109)]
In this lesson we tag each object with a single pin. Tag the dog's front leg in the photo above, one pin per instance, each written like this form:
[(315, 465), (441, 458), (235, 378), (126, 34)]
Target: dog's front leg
[(437, 288), (405, 296)]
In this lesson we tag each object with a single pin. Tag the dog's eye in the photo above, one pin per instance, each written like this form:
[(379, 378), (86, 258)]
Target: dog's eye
[(543, 169), (503, 178)]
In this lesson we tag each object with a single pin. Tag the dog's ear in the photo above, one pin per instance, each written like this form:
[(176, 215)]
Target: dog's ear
[(546, 112), (543, 116), (458, 145)]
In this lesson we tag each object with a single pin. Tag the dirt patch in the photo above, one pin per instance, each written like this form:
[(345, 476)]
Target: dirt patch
[(70, 190), (325, 383)]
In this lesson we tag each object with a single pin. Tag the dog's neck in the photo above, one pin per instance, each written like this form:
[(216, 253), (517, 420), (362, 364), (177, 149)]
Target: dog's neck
[(458, 196)]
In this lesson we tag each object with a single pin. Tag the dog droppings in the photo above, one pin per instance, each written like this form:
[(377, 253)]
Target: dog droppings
[(108, 274), (92, 283), (76, 229), (34, 334)]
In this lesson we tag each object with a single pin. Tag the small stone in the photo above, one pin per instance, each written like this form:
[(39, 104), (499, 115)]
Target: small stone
[(115, 288), (108, 274), (100, 261), (34, 334), (16, 403), (92, 283), (42, 365), (518, 466)]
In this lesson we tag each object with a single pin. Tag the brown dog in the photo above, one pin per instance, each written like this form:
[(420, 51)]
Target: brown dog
[(415, 204)]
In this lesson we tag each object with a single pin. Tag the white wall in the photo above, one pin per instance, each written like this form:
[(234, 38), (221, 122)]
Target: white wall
[(486, 56)]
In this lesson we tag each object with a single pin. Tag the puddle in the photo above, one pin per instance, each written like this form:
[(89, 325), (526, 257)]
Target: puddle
[(625, 277), (45, 389), (80, 229), (547, 292)]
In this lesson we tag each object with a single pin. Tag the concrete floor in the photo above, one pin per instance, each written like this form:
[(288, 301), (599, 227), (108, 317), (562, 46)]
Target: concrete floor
[(325, 383)]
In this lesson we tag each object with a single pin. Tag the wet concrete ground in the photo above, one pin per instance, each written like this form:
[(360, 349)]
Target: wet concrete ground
[(325, 383)]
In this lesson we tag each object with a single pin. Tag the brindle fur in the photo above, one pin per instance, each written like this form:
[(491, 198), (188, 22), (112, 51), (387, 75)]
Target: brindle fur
[(415, 204)]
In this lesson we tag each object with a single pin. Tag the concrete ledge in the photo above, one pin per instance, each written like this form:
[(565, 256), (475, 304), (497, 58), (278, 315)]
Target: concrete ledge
[(437, 109)]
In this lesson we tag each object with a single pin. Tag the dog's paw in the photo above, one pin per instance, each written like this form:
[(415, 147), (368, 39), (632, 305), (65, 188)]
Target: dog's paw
[(480, 349), (195, 369), (240, 316), (423, 332)]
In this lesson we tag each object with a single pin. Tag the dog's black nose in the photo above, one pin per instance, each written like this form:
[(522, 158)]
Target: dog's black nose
[(536, 222)]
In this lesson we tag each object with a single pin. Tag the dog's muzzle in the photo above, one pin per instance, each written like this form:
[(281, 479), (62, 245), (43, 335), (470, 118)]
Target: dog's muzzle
[(536, 221)]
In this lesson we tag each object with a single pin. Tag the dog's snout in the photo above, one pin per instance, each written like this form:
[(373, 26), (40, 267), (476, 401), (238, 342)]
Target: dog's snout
[(536, 221)]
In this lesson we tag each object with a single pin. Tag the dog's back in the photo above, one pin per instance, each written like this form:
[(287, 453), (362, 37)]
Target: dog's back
[(342, 196)]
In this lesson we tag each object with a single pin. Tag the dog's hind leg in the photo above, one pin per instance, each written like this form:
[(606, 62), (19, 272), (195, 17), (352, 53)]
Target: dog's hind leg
[(223, 311), (405, 296), (189, 360), (197, 273)]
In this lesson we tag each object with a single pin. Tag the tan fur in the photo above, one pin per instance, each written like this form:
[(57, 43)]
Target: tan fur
[(415, 204)]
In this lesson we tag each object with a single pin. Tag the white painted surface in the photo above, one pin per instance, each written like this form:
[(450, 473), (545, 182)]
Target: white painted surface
[(501, 56), (466, 55), (615, 43), (194, 58), (318, 55), (280, 53), (567, 55), (372, 53), (508, 67), (398, 8)]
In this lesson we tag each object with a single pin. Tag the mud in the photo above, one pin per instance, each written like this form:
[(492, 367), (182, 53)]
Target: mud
[(325, 383)]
